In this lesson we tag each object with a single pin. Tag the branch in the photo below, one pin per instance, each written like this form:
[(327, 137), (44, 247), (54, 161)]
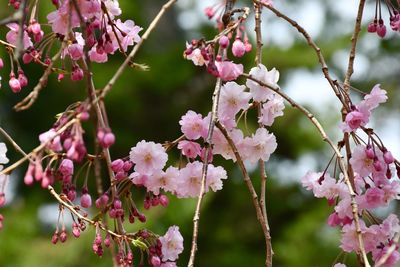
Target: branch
[(132, 54), (257, 205), (196, 218), (261, 163), (15, 145), (326, 139)]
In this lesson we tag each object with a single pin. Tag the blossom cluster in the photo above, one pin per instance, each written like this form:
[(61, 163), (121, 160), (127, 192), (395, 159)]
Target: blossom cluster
[(378, 25), (375, 185), (85, 29)]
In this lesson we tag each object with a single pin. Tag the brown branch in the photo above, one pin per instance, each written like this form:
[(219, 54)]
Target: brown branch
[(312, 44), (196, 217), (261, 163), (14, 144), (340, 157), (132, 54), (257, 205), (30, 99)]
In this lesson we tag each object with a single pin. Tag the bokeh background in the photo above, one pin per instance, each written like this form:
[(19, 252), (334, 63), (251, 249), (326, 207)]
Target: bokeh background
[(148, 105)]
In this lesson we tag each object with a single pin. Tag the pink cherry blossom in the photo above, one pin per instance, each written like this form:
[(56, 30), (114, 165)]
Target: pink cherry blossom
[(62, 18), (130, 34), (271, 109), (190, 180), (375, 97), (3, 151), (171, 244), (148, 157), (261, 73), (238, 48), (189, 149), (215, 175), (229, 71), (12, 36), (52, 139), (362, 164), (192, 125), (196, 57), (262, 145), (95, 56), (233, 99), (222, 147), (355, 119), (167, 180), (349, 241)]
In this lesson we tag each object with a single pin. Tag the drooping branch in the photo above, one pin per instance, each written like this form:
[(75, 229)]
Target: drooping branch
[(340, 157)]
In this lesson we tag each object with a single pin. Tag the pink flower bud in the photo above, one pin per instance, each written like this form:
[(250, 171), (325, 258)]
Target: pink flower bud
[(38, 37), (155, 261), (164, 200), (248, 46), (388, 157), (60, 77), (77, 74), (372, 26), (381, 29), (66, 167), (210, 12), (108, 140), (224, 41), (63, 236), (369, 152), (28, 179), (142, 217), (238, 48), (377, 165), (2, 199), (117, 165), (76, 232), (107, 240), (23, 80), (86, 200), (71, 194), (127, 166), (85, 116), (1, 63), (14, 84), (54, 239), (117, 204), (27, 58)]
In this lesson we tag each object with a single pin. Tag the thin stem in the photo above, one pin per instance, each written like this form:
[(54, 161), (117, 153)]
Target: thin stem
[(132, 54), (326, 139), (14, 144), (249, 184), (196, 217)]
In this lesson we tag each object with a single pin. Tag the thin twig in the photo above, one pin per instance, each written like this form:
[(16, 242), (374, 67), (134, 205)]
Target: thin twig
[(15, 145), (132, 54), (196, 218), (30, 99), (312, 44), (249, 184), (326, 139), (261, 163)]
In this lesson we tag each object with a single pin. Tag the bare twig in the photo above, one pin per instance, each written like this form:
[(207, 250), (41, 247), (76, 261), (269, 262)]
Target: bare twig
[(132, 54), (11, 140), (196, 218), (30, 99), (326, 139), (38, 148), (257, 205), (261, 163), (312, 44)]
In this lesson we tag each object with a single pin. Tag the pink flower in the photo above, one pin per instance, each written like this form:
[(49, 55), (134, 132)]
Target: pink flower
[(215, 175), (262, 145), (66, 167), (261, 73), (349, 241), (171, 244), (272, 109), (112, 8), (130, 34), (95, 56), (12, 36), (167, 180), (75, 51), (364, 165), (190, 180), (222, 147), (192, 125), (229, 71), (355, 119), (375, 97), (149, 157), (52, 139), (233, 99), (339, 265), (189, 149), (61, 18), (195, 56), (3, 151)]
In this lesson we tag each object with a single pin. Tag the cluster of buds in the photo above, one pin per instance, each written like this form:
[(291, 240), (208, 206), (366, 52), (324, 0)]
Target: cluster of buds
[(378, 24)]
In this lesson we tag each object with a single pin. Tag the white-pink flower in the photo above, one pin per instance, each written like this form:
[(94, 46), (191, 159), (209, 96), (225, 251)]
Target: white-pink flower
[(52, 139), (375, 97), (261, 73), (222, 147), (229, 71), (148, 157), (196, 57), (260, 146), (233, 98), (130, 37), (3, 151), (215, 175), (12, 36), (363, 165), (271, 109), (189, 149), (190, 180), (171, 244), (167, 180), (192, 125)]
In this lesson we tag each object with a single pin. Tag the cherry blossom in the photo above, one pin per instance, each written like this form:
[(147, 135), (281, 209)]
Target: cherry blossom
[(261, 146), (271, 109), (3, 151), (172, 244), (233, 99), (261, 73), (192, 125), (229, 71), (148, 157), (12, 36)]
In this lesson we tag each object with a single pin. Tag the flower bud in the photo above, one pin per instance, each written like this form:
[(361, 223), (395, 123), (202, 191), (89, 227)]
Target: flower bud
[(86, 200), (224, 41), (238, 48), (14, 83), (388, 157)]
